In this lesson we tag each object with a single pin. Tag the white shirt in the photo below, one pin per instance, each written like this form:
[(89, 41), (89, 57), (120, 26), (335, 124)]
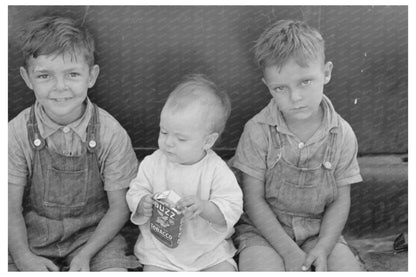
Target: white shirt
[(202, 244)]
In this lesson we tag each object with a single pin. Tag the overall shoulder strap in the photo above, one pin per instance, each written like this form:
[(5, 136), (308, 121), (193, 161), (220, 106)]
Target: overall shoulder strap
[(35, 139), (93, 130)]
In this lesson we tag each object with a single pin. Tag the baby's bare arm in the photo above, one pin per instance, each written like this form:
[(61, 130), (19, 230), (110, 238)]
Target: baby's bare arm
[(266, 222), (192, 206)]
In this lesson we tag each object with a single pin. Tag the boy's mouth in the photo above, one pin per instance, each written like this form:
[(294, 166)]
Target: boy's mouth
[(301, 108), (61, 99)]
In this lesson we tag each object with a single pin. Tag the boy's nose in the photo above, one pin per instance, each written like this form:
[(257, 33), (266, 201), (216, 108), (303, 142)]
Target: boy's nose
[(295, 95), (60, 84)]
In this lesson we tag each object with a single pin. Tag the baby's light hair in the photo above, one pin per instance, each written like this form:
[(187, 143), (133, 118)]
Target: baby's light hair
[(198, 89), (54, 35), (288, 39)]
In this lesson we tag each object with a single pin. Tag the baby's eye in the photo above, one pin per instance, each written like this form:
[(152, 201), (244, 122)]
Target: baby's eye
[(163, 132), (182, 139)]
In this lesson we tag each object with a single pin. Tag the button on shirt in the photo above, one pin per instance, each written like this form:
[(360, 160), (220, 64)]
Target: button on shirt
[(254, 146), (115, 151), (65, 129)]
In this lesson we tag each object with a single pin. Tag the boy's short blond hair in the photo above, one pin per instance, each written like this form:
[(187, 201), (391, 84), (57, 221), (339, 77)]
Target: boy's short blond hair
[(198, 89), (288, 39), (55, 35)]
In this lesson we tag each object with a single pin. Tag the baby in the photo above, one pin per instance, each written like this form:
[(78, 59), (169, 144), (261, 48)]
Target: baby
[(191, 121)]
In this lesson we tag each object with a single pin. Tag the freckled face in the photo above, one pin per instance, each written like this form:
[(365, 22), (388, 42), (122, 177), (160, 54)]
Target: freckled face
[(298, 90), (60, 84)]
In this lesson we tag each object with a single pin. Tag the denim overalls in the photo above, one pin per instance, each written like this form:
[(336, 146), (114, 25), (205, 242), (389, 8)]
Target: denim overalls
[(296, 195), (65, 199)]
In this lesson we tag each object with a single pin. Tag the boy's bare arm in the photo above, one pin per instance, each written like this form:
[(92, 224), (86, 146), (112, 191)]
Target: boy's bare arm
[(266, 222), (115, 218), (335, 217), (18, 246), (333, 222)]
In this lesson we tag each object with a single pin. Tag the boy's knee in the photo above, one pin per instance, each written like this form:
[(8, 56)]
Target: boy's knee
[(260, 258), (120, 269), (342, 259)]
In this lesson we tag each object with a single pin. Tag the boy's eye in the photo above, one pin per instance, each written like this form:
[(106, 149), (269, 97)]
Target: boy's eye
[(42, 76), (280, 89), (182, 139), (306, 82), (74, 74)]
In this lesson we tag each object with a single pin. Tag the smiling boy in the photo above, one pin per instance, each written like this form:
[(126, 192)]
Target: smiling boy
[(70, 162)]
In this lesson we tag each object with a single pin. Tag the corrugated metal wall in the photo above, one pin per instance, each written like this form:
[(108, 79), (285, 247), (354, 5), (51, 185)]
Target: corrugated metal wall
[(144, 50)]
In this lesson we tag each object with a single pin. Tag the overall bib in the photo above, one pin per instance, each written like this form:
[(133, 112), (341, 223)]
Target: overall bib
[(296, 195), (65, 198)]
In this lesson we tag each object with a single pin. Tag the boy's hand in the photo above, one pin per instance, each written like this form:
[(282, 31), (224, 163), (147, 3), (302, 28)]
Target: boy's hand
[(191, 206), (32, 262), (145, 206), (294, 260), (80, 263), (317, 257)]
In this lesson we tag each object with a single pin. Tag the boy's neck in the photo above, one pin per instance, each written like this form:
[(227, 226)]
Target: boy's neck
[(72, 118), (305, 129)]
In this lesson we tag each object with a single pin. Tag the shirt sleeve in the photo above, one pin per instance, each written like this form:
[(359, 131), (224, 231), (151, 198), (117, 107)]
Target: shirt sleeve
[(139, 187), (347, 170), (227, 195), (19, 158), (118, 159), (251, 152)]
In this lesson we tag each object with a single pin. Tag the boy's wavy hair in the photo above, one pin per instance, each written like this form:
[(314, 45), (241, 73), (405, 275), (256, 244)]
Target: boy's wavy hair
[(197, 87), (287, 39), (55, 35)]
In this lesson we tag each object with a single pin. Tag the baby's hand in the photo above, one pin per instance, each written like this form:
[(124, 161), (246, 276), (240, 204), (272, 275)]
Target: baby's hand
[(191, 206), (145, 206)]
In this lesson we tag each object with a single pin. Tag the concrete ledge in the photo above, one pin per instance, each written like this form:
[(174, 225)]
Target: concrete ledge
[(377, 254), (379, 205)]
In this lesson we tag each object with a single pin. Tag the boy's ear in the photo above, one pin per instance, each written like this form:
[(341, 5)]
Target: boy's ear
[(25, 76), (327, 72), (94, 71), (210, 140)]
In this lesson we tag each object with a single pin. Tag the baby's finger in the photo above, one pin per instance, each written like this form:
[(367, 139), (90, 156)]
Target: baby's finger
[(185, 202), (189, 212), (147, 212), (147, 204)]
